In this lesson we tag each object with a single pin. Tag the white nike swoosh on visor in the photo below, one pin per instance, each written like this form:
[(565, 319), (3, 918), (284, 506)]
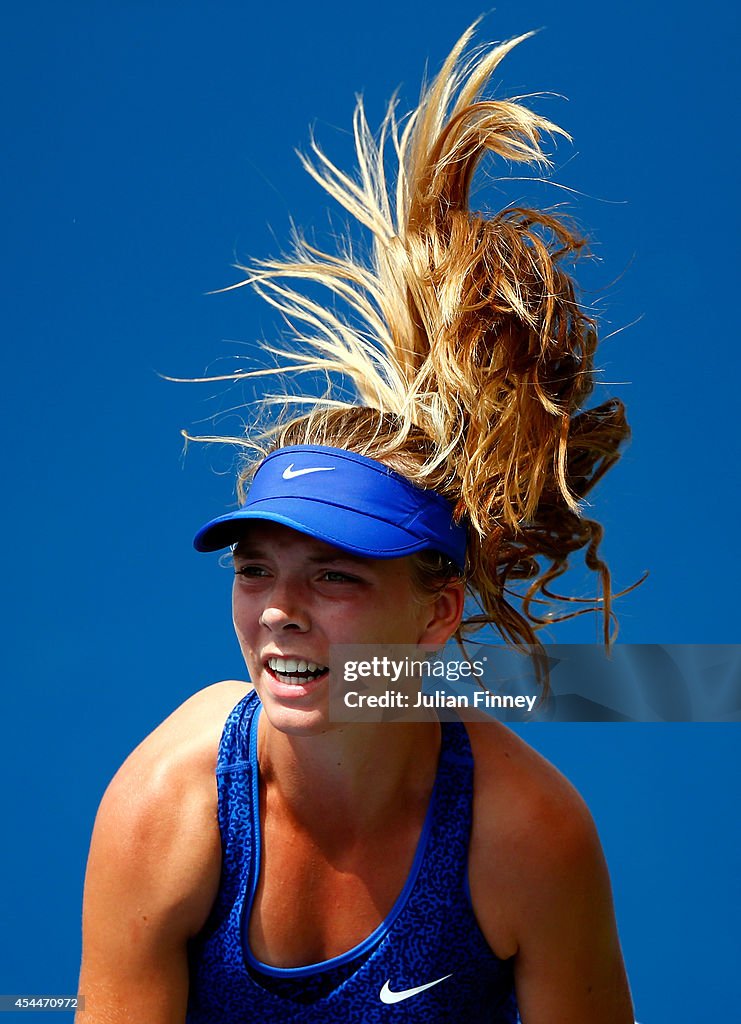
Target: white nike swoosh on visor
[(387, 996), (289, 472)]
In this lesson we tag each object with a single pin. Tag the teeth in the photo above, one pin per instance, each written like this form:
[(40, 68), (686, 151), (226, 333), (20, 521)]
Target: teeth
[(291, 666)]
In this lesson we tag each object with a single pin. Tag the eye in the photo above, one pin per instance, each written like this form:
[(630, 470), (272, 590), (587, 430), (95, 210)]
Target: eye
[(334, 576), (250, 571)]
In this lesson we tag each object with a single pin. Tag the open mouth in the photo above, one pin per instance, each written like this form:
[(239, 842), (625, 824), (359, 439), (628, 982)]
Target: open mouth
[(294, 672)]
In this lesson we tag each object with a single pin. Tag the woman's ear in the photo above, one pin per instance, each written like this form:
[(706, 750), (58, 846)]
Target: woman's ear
[(445, 613)]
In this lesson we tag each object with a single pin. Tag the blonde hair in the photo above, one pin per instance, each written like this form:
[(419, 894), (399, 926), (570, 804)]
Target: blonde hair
[(468, 352)]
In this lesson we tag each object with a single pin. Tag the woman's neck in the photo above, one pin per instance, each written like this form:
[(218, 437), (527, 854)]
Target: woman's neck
[(352, 773)]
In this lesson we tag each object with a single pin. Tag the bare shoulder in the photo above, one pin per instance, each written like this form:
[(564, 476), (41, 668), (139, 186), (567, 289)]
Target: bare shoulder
[(179, 756), (188, 737), (156, 833), (533, 835), (519, 787)]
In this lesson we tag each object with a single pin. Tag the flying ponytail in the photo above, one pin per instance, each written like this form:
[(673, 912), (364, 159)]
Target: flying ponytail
[(468, 354)]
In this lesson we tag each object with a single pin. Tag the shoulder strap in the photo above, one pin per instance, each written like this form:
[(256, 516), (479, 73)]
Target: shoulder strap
[(234, 747)]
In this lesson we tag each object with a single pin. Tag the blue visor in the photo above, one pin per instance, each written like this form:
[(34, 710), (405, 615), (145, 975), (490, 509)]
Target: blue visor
[(347, 500)]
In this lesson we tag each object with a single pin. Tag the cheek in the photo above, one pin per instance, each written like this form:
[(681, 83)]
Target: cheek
[(246, 634), (244, 612), (395, 618)]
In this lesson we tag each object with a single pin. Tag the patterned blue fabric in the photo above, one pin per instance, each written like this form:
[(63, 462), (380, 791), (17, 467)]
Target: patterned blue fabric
[(430, 933)]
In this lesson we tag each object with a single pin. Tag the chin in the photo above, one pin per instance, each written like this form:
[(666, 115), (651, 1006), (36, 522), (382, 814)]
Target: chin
[(294, 721)]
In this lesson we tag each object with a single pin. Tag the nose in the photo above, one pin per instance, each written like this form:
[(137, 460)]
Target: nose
[(284, 611)]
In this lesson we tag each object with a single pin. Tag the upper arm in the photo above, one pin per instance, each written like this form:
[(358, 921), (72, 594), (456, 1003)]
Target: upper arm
[(541, 889), (142, 901), (568, 966), (153, 871)]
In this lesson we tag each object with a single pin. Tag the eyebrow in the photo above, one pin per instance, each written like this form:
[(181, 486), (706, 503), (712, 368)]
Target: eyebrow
[(256, 552)]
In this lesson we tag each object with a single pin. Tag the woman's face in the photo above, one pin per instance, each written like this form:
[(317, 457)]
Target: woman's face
[(295, 596)]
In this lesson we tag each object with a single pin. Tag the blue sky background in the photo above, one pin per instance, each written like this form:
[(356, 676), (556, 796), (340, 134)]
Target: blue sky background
[(149, 145)]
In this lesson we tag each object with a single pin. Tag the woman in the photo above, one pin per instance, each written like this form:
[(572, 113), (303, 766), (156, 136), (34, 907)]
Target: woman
[(254, 860)]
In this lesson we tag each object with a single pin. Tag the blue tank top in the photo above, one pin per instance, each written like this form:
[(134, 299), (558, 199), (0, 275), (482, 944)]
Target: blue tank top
[(430, 941)]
